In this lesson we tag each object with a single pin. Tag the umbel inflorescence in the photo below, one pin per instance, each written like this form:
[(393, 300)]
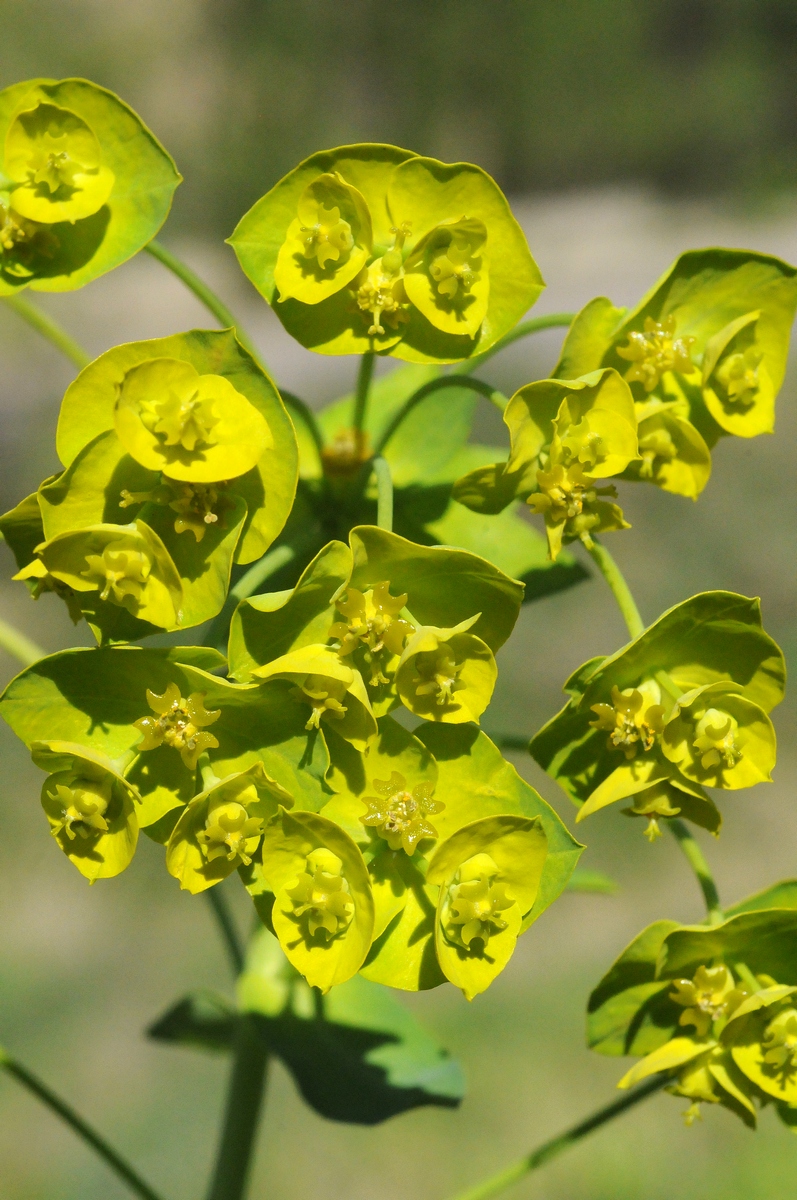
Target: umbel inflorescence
[(323, 741)]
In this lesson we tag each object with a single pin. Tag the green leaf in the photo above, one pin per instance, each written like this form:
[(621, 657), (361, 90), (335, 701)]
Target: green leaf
[(93, 697), (356, 1054), (444, 586), (779, 895), (588, 339), (764, 941), (145, 178), (475, 779), (710, 637), (204, 1020), (266, 627), (628, 1012), (89, 405), (511, 544), (22, 529)]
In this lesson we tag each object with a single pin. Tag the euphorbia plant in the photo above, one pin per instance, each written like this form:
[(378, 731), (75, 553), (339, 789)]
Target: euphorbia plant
[(350, 576)]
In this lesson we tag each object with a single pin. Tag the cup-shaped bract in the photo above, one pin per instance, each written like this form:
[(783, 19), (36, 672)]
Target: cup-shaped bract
[(90, 806), (367, 600), (680, 707), (334, 691), (159, 710), (201, 428), (713, 1007), (194, 428), (323, 910), (719, 738), (125, 566), (672, 454), (221, 828), (489, 874), (709, 341), (417, 812), (446, 674), (327, 243), (565, 436), (369, 247), (85, 184)]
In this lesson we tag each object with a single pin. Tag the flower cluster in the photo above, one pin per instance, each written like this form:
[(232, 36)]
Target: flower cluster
[(682, 708)]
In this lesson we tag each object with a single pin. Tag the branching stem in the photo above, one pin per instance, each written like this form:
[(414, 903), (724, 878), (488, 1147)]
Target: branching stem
[(616, 581), (697, 862), (428, 389), (552, 321), (221, 910), (44, 324), (384, 486), (364, 377), (553, 1148), (76, 1123)]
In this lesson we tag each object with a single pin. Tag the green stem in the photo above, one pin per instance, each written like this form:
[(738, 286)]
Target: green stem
[(18, 645), (384, 486), (221, 911), (616, 581), (552, 321), (697, 862), (244, 1100), (48, 328), (553, 1148), (266, 566), (202, 292), (227, 319), (428, 389), (80, 1127), (364, 377)]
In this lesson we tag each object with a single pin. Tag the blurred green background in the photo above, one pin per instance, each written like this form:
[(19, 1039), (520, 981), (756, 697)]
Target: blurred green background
[(625, 131)]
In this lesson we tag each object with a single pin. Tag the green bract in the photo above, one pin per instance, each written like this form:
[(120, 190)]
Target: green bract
[(704, 352), (564, 437), (334, 691), (182, 442), (369, 247), (712, 1006), (446, 674), (488, 873), (91, 807), (323, 910), (83, 184), (407, 804), (367, 601), (681, 707), (222, 827), (162, 709)]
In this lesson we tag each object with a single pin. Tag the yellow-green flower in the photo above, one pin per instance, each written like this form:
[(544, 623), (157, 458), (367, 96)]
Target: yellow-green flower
[(334, 691), (221, 828), (399, 814), (90, 806), (446, 674), (634, 718), (178, 723), (372, 627), (717, 737)]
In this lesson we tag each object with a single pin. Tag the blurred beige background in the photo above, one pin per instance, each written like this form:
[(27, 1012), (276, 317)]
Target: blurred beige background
[(625, 139)]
